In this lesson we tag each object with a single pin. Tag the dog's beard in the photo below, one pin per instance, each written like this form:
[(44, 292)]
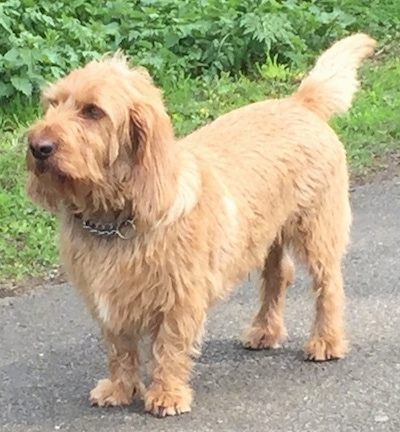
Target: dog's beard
[(83, 196), (49, 174), (50, 178)]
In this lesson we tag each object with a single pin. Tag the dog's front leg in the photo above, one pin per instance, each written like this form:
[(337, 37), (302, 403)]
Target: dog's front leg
[(174, 342), (123, 364)]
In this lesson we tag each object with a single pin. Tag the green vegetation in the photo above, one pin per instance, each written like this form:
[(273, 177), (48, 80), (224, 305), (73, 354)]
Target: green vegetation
[(42, 40), (209, 56)]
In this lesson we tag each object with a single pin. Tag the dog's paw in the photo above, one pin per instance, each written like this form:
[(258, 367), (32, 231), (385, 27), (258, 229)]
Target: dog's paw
[(257, 338), (113, 393), (320, 349), (161, 403)]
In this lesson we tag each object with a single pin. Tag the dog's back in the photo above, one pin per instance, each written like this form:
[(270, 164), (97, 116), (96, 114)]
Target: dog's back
[(327, 90), (287, 138)]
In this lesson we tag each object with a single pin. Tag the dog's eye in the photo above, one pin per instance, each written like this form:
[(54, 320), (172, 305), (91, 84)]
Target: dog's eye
[(92, 112)]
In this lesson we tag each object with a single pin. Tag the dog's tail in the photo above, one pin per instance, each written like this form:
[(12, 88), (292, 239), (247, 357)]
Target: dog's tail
[(329, 87)]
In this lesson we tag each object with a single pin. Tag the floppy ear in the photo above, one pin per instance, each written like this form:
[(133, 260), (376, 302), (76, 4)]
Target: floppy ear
[(150, 133), (150, 128), (154, 154), (138, 136)]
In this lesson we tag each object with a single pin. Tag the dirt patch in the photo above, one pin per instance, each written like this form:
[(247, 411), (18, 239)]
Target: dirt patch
[(53, 277), (383, 169)]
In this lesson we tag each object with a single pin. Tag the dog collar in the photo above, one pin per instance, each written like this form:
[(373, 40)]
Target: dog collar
[(124, 230)]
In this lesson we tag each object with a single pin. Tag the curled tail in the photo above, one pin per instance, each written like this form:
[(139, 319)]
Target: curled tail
[(329, 87)]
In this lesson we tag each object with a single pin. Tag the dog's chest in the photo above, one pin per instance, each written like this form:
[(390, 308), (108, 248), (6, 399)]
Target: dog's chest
[(104, 307), (119, 299), (121, 285)]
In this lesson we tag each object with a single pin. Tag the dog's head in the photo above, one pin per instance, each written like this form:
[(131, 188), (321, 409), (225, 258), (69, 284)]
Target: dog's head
[(104, 138)]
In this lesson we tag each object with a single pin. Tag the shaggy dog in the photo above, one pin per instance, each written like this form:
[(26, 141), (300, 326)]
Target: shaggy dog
[(153, 230)]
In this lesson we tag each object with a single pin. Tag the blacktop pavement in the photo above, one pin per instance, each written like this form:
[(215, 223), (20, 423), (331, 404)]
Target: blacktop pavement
[(51, 354)]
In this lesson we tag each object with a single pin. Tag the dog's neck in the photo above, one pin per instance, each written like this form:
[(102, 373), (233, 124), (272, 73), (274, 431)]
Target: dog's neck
[(123, 228), (141, 209)]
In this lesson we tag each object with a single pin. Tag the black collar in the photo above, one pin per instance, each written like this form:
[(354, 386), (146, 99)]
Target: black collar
[(124, 230)]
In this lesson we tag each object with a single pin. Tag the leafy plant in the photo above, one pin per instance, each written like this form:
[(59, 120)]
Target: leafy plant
[(40, 41)]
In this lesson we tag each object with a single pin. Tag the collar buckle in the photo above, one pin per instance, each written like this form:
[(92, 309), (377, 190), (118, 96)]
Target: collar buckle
[(123, 234)]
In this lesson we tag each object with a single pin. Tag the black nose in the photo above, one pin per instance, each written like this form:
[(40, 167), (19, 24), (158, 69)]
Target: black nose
[(42, 150)]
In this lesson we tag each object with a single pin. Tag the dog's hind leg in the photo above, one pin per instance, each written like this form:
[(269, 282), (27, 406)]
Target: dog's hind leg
[(267, 328), (123, 364), (320, 243)]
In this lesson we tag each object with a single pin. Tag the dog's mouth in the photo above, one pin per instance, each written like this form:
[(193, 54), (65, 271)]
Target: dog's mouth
[(55, 175), (40, 166), (47, 170)]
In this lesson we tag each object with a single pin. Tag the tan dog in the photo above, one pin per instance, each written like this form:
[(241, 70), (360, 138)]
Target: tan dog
[(153, 230)]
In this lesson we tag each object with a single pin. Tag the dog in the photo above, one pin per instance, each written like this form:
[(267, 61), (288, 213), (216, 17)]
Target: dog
[(154, 230)]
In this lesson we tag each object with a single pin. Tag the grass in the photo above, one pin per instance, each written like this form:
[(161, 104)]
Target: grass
[(370, 130)]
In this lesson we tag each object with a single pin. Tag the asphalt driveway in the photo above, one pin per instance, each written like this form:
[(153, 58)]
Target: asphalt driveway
[(50, 354)]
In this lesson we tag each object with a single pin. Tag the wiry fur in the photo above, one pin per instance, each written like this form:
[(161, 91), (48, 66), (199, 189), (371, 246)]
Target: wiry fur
[(230, 198)]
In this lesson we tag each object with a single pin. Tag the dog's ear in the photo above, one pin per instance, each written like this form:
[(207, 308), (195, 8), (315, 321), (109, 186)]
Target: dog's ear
[(137, 137), (153, 150), (113, 153), (150, 128)]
